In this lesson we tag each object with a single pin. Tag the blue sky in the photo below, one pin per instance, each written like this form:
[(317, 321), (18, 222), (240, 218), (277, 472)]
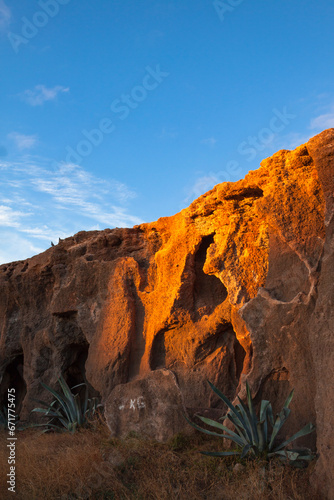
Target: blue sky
[(116, 112)]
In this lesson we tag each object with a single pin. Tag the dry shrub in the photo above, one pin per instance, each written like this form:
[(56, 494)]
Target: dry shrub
[(90, 464)]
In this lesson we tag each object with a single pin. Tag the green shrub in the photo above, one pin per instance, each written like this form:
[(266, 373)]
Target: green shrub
[(67, 410), (253, 435)]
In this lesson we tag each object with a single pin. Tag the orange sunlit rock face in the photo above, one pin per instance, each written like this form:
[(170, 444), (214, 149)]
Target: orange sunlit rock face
[(226, 289)]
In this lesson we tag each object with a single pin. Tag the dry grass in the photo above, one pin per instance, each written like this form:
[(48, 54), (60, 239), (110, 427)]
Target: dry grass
[(91, 465)]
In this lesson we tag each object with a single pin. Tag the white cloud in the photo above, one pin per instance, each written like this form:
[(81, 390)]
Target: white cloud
[(323, 122), (10, 217), (5, 16), (67, 187), (43, 202), (202, 185), (292, 140), (72, 187), (23, 141), (211, 141), (40, 94), (15, 247), (44, 233)]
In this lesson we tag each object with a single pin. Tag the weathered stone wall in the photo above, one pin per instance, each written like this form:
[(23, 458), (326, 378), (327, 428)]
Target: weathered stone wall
[(237, 286)]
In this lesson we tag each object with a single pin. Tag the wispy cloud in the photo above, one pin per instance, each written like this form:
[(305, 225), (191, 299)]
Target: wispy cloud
[(323, 118), (292, 140), (210, 141), (202, 185), (10, 217), (40, 94), (71, 186), (5, 16), (23, 141), (14, 246), (44, 232), (323, 121), (45, 201)]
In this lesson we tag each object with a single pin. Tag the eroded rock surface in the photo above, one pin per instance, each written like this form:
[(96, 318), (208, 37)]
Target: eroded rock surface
[(151, 405), (237, 286)]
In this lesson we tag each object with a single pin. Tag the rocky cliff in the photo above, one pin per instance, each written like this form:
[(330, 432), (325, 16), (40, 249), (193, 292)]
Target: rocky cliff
[(239, 286)]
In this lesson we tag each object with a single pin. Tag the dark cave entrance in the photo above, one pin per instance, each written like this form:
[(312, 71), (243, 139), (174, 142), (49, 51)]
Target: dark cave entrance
[(13, 378), (74, 368), (209, 291)]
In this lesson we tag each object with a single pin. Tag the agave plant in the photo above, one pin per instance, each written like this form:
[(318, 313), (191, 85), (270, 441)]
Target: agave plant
[(67, 410), (253, 434)]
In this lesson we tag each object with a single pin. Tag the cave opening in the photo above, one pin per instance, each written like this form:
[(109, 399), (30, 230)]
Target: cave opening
[(74, 368), (13, 378), (158, 351), (209, 291)]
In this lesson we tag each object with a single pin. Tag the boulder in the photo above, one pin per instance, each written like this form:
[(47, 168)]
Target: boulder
[(151, 406)]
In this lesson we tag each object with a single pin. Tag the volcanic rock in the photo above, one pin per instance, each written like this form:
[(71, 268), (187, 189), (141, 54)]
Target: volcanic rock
[(239, 286)]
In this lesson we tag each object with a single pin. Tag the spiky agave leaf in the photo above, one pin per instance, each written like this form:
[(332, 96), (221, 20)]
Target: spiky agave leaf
[(60, 399), (228, 403), (239, 440), (247, 427), (252, 433), (242, 431), (253, 417), (211, 433), (67, 407), (220, 453), (71, 402), (303, 432), (280, 420)]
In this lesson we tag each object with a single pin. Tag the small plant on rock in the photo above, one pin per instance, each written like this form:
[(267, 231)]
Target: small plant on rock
[(256, 436), (67, 410)]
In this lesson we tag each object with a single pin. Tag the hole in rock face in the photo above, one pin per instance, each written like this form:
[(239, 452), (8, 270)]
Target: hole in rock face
[(209, 291), (158, 352), (74, 369), (75, 372), (13, 378)]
